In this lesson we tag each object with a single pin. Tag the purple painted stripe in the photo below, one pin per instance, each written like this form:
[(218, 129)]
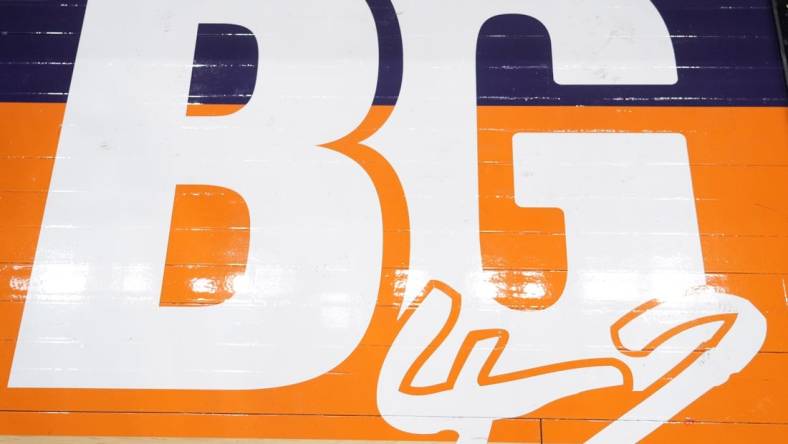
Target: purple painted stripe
[(728, 53)]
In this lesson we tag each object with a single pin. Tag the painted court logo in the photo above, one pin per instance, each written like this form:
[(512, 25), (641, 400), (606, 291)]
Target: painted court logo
[(536, 209)]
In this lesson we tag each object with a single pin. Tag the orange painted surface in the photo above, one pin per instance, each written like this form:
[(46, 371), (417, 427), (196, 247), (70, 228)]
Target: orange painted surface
[(739, 169), (197, 110), (739, 164), (567, 431), (208, 245)]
